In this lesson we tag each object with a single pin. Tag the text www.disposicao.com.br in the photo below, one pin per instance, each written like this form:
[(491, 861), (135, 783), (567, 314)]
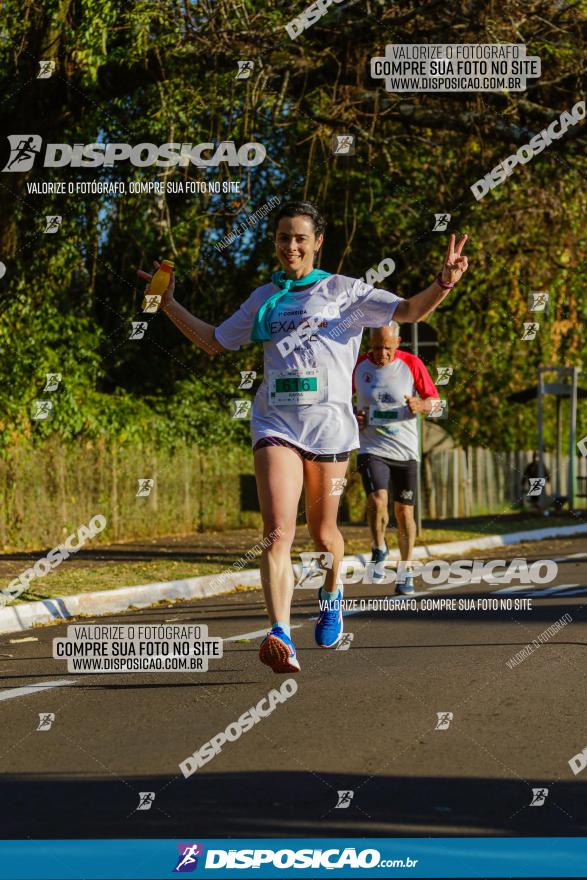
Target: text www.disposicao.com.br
[(134, 664)]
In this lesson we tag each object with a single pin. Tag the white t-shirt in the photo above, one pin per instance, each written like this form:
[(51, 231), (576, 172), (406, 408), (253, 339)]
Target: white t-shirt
[(346, 305), (381, 392)]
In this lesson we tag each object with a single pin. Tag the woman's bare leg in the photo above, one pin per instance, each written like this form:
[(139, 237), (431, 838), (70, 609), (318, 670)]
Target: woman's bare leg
[(322, 511), (279, 472)]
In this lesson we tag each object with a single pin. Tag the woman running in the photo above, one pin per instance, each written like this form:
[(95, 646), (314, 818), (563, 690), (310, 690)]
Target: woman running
[(303, 427)]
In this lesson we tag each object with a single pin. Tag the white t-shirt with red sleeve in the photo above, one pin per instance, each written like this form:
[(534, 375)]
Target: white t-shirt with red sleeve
[(391, 430), (324, 361)]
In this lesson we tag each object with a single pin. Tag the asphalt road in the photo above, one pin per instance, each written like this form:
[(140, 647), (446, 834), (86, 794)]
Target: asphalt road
[(362, 720)]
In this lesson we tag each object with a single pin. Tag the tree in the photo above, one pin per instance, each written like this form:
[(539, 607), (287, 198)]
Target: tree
[(138, 72)]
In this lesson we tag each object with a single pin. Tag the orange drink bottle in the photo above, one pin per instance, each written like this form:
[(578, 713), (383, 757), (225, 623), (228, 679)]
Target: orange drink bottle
[(161, 278)]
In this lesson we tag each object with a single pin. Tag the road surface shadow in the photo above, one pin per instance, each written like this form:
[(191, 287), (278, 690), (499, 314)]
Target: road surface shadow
[(274, 804)]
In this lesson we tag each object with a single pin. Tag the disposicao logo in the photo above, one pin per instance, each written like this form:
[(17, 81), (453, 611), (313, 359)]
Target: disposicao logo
[(24, 149), (188, 857), (329, 859)]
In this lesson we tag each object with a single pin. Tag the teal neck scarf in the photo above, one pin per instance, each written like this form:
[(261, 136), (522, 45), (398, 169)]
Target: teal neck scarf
[(261, 331)]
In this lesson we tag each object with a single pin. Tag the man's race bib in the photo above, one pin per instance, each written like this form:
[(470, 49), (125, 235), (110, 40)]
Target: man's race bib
[(384, 416), (297, 387)]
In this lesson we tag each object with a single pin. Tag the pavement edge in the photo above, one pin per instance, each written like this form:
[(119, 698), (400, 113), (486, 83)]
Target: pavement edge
[(16, 618)]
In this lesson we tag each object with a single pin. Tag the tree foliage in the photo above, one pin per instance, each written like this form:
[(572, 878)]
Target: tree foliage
[(165, 71)]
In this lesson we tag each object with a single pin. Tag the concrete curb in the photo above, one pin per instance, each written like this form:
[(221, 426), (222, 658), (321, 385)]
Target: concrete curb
[(453, 547), (19, 617), (15, 618)]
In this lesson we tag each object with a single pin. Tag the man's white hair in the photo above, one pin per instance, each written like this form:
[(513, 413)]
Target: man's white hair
[(393, 326)]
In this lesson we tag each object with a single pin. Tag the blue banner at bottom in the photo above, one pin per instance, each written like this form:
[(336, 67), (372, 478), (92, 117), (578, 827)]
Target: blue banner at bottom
[(294, 857)]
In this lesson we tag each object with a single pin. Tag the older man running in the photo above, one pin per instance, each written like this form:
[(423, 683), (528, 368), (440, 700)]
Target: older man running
[(386, 381)]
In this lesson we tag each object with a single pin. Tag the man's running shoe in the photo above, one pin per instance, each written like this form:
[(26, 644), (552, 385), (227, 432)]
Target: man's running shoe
[(378, 557), (278, 651), (329, 624), (406, 587)]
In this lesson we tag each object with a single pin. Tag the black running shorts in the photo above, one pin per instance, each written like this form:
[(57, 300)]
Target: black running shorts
[(303, 453), (377, 472)]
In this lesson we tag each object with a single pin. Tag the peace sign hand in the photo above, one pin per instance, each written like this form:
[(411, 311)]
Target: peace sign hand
[(454, 264)]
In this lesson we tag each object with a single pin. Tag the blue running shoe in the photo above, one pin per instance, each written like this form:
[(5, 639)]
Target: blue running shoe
[(406, 587), (329, 624), (278, 651), (377, 557)]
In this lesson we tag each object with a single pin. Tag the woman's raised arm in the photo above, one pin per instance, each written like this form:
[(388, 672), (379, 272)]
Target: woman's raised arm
[(418, 307), (197, 331)]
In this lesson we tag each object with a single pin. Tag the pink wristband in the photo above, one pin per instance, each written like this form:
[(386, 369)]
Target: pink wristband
[(446, 285)]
